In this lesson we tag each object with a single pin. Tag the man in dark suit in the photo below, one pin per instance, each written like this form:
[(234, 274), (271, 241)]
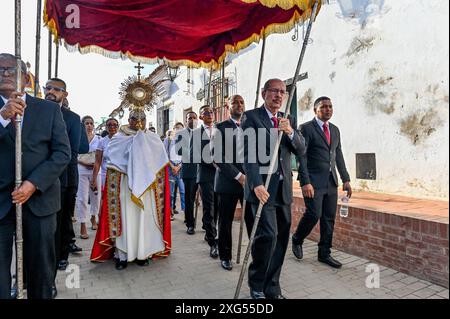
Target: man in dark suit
[(201, 144), (188, 169), (319, 180), (56, 91), (46, 153), (230, 178), (272, 235)]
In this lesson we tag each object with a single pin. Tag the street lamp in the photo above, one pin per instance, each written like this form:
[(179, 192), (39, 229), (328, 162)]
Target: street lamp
[(172, 72)]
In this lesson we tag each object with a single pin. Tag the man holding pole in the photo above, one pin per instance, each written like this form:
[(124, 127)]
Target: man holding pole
[(272, 235), (46, 153)]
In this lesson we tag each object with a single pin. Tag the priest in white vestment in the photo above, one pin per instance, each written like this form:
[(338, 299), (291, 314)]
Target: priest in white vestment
[(136, 223)]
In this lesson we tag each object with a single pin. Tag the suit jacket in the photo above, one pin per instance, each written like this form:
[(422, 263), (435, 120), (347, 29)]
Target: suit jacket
[(259, 119), (206, 170), (227, 160), (69, 177), (320, 158), (184, 148), (46, 153), (84, 142)]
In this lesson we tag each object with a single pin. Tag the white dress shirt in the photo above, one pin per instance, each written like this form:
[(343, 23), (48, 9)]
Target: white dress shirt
[(291, 136)]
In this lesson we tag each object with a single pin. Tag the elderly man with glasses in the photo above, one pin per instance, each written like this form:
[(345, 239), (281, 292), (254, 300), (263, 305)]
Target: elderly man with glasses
[(46, 153)]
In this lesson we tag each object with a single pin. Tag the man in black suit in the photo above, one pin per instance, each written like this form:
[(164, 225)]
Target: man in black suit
[(230, 178), (56, 91), (188, 169), (319, 180), (46, 153), (206, 171), (272, 235)]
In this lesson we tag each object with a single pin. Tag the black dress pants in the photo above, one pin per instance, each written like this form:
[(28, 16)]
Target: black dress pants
[(190, 190), (227, 207), (322, 207), (64, 229), (209, 201), (269, 246), (38, 253)]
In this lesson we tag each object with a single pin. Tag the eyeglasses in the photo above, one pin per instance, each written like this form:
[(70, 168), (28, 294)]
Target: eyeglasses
[(276, 91), (57, 89), (136, 119), (112, 125), (10, 69), (88, 123)]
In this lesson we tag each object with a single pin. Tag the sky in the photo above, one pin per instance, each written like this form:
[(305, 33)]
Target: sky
[(93, 80)]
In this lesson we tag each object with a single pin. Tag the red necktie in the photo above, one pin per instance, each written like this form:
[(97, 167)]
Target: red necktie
[(326, 131), (275, 122)]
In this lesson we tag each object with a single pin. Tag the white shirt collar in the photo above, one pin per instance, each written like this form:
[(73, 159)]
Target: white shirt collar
[(5, 100), (320, 122), (234, 121), (269, 114)]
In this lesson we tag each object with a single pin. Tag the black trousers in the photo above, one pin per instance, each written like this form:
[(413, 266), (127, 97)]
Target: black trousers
[(190, 190), (227, 207), (322, 207), (38, 253), (210, 212), (269, 246), (64, 228)]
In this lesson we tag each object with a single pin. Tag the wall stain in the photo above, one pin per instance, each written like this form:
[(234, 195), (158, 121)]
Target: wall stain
[(332, 76), (417, 127), (381, 94), (359, 45), (305, 103)]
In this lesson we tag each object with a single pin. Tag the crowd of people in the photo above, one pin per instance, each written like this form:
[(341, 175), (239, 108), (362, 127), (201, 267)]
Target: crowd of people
[(125, 183)]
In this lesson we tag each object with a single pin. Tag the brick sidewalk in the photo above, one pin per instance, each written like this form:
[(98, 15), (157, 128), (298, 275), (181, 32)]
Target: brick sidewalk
[(189, 272)]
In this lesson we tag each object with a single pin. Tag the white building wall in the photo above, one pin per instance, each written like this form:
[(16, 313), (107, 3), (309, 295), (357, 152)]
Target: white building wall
[(385, 66)]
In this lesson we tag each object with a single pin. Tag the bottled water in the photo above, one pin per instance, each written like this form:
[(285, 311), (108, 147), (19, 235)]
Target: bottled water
[(343, 211)]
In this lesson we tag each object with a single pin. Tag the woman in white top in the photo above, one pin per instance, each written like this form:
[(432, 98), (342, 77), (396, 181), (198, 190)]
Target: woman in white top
[(101, 154), (85, 194)]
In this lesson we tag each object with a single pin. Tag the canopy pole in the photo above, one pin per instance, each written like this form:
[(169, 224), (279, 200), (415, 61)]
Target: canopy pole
[(258, 84), (277, 146), (18, 125), (49, 54), (38, 48), (56, 58), (209, 86), (222, 92)]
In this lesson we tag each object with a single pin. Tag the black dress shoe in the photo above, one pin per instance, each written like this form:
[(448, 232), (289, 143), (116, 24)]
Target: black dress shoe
[(297, 250), (257, 294), (330, 261), (62, 264), (226, 264), (280, 296), (54, 292), (142, 262), (121, 264), (74, 248), (214, 251), (190, 231)]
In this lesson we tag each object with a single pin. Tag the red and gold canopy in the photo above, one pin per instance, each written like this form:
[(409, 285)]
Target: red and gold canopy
[(196, 33)]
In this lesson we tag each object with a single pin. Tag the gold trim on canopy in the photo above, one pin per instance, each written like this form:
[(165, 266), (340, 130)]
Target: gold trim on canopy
[(305, 5)]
